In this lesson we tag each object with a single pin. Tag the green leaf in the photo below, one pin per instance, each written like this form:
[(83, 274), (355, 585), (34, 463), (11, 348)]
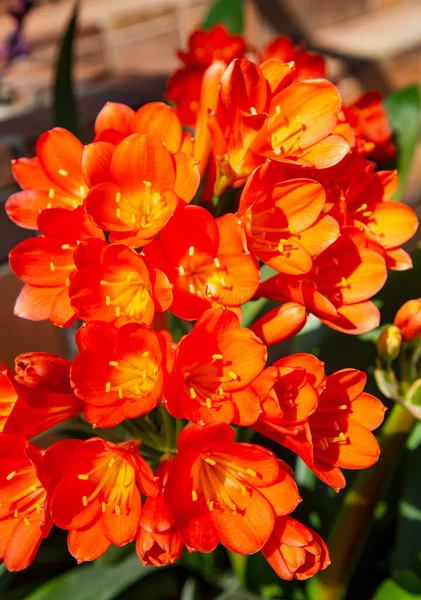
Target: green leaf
[(404, 108), (228, 12), (191, 590), (93, 582), (64, 104), (405, 586)]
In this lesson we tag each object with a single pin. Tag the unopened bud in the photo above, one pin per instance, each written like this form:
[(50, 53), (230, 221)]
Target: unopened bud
[(43, 370), (389, 342)]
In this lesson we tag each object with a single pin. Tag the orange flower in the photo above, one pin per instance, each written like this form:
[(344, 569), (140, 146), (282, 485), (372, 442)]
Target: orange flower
[(159, 542), (136, 186), (282, 219), (119, 372), (365, 125), (408, 319), (46, 265), (97, 496), (360, 197), (289, 390), (24, 522), (307, 64), (117, 121), (214, 365), (337, 291), (263, 113), (51, 180), (205, 47), (114, 284), (295, 551), (38, 396), (203, 259), (224, 492), (337, 434)]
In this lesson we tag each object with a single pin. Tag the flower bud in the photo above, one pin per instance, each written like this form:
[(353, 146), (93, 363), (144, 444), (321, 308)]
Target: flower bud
[(389, 342), (43, 370), (408, 319)]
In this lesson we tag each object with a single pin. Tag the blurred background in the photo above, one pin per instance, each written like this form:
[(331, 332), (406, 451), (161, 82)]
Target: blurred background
[(126, 49)]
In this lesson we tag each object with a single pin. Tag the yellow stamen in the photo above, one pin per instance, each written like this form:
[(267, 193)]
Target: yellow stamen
[(113, 363), (107, 300), (11, 475), (208, 402), (217, 356), (251, 472), (117, 510), (210, 505), (233, 375), (210, 461), (194, 495), (52, 266), (83, 477), (145, 354), (63, 172), (84, 501), (117, 311), (253, 110), (191, 250), (108, 386), (147, 183), (217, 263), (193, 393), (65, 246), (27, 521), (103, 507)]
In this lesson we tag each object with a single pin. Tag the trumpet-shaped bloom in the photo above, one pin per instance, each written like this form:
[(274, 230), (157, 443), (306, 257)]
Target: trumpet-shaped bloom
[(24, 522), (358, 196), (53, 179), (214, 365), (263, 113), (37, 396), (205, 47), (159, 542), (121, 378), (114, 284), (46, 265), (203, 259), (220, 491), (295, 551), (307, 64), (97, 494), (337, 291), (408, 319), (337, 434), (282, 219), (136, 186)]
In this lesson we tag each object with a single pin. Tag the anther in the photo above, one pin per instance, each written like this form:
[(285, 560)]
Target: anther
[(191, 250), (192, 289), (120, 393), (210, 461), (63, 172), (117, 510), (251, 472), (16, 513), (11, 475), (233, 375), (208, 403), (145, 354), (278, 109), (103, 507), (210, 505), (84, 501), (108, 386), (111, 463), (243, 490), (113, 363), (217, 356), (118, 197), (194, 495), (51, 193), (117, 311), (181, 270), (217, 263), (27, 521), (253, 111), (52, 266), (83, 477), (193, 393), (65, 246), (33, 488), (107, 300), (147, 183)]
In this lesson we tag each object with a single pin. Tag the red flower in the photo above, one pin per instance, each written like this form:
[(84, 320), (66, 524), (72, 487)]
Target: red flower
[(204, 260), (51, 180), (370, 133), (38, 396), (408, 319), (205, 47), (213, 368), (337, 291), (114, 284), (358, 196), (224, 492), (136, 186), (159, 542), (24, 520), (289, 390), (262, 113), (282, 219), (119, 372), (337, 434), (46, 265), (307, 64), (117, 121), (97, 496), (295, 551)]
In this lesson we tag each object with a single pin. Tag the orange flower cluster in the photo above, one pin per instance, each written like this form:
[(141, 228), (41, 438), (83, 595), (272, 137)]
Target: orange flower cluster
[(147, 222)]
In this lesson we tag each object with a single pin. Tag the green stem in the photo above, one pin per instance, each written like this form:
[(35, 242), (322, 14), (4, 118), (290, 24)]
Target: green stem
[(239, 567), (351, 527)]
